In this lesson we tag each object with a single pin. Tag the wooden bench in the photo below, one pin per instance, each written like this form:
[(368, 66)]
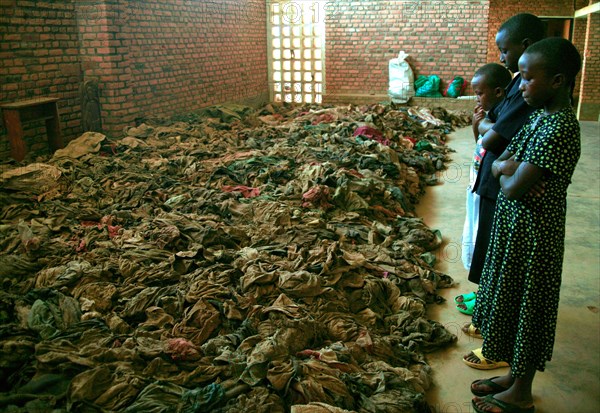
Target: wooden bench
[(17, 113)]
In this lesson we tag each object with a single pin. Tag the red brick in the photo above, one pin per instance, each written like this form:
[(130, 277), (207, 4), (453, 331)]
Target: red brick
[(148, 62)]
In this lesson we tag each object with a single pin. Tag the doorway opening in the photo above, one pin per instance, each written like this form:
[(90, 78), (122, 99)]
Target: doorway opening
[(559, 27)]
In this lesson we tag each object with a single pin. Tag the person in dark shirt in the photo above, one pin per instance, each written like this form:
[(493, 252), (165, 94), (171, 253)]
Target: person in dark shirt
[(514, 36)]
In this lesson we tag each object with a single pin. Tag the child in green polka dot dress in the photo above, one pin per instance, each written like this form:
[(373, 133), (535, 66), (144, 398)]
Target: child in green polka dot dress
[(517, 301)]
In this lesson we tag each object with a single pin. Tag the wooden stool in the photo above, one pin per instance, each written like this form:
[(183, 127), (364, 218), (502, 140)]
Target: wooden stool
[(17, 113)]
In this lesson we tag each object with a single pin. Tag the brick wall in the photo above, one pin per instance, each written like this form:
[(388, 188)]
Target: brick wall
[(164, 57), (149, 57), (501, 10), (579, 36), (586, 31), (39, 56), (590, 90), (104, 58), (444, 38), (203, 53)]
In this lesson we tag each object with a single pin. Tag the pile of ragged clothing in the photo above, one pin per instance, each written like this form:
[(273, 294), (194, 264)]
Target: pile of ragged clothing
[(230, 260)]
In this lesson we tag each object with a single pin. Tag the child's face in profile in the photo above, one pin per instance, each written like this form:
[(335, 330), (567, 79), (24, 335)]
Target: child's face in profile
[(536, 85), (487, 96), (509, 51)]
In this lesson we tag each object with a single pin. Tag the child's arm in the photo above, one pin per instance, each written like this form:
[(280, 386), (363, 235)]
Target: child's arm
[(518, 178), (485, 125), (505, 165), (493, 141), (478, 116)]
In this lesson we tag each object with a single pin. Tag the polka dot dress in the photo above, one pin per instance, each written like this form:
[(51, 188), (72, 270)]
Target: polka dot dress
[(517, 301)]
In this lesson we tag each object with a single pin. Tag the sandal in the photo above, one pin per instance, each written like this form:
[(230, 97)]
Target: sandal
[(469, 306), (495, 387), (465, 297), (471, 330), (484, 364), (506, 407)]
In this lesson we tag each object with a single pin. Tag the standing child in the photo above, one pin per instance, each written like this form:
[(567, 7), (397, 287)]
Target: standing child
[(489, 84), (514, 37), (517, 301)]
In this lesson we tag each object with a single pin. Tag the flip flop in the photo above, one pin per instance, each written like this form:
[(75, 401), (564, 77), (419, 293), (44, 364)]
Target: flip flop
[(495, 387), (484, 364), (506, 407), (471, 331), (465, 297), (469, 306)]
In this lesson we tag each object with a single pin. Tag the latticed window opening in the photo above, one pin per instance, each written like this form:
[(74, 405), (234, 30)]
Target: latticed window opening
[(296, 31)]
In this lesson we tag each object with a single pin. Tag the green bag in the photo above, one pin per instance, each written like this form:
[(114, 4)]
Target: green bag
[(456, 87), (428, 86)]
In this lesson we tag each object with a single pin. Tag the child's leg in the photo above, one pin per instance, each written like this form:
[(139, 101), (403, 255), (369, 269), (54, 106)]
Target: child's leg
[(487, 207), (472, 218), (470, 228), (518, 395)]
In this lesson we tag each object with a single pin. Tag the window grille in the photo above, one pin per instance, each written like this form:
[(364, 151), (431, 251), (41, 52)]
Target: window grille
[(296, 37)]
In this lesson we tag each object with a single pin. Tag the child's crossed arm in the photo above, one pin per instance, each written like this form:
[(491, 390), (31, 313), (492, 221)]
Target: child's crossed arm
[(518, 178)]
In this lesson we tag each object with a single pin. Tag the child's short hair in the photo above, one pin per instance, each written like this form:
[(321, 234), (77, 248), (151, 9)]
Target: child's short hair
[(558, 56), (494, 75), (524, 26)]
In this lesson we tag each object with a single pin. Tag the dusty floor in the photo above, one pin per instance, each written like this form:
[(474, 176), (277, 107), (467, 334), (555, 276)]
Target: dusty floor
[(571, 382)]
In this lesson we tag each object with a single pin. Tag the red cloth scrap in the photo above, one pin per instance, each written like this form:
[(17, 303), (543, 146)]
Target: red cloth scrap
[(246, 191)]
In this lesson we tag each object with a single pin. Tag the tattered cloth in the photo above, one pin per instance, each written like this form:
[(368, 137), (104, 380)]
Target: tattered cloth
[(233, 260)]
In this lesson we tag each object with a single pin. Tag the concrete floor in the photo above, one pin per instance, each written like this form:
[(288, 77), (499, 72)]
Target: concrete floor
[(571, 382)]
